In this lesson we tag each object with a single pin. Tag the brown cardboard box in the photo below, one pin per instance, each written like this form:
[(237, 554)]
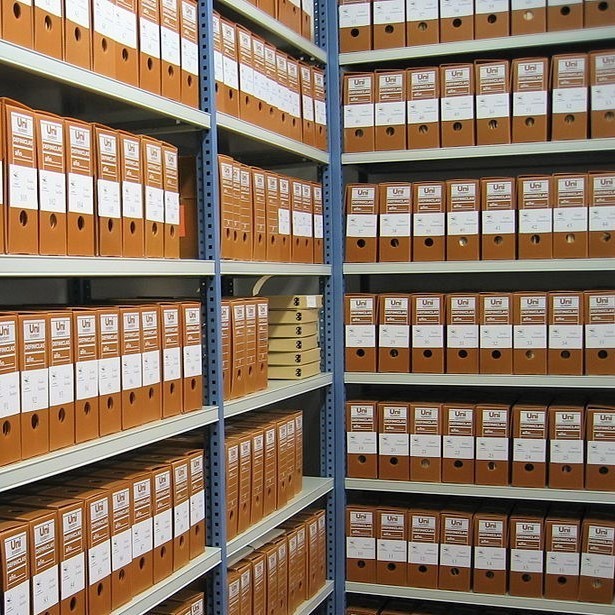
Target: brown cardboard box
[(395, 318), (535, 204), (423, 102), (152, 382), (426, 442), (302, 246), (282, 100), (170, 50), (491, 18), (126, 39), (77, 33), (564, 15), (225, 335), (10, 434), (259, 247), (463, 220), (245, 481), (429, 223), (496, 333), (566, 318), (361, 223), (423, 547), (307, 104), (355, 25), (395, 236), (499, 218), (360, 543), (456, 20), (257, 563), (171, 201), (15, 557), (104, 43), (251, 357), (192, 356), (597, 551), (393, 441), (492, 98), (390, 104), (600, 465), (569, 115), (457, 103), (228, 209), (493, 433), (598, 13), (566, 444), (133, 394), (132, 195), (270, 462), (456, 539), (284, 219), (530, 429), (530, 313), (234, 593), (151, 152), (189, 27), (428, 320), (601, 82), (258, 475), (361, 439), (232, 486), (462, 313), (489, 575), (391, 547), (359, 98), (244, 570), (361, 318), (246, 222), (238, 352), (422, 22), (86, 375), (562, 554), (601, 220), (528, 17), (262, 315), (570, 216), (527, 542), (171, 341), (458, 443), (320, 109), (149, 46), (599, 332), (530, 84), (389, 23), (294, 104), (319, 224)]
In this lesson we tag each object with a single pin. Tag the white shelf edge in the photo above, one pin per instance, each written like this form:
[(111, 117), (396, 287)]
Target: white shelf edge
[(307, 607), (265, 268), (278, 391), (57, 70), (441, 595), (481, 151), (516, 266), (177, 581), (477, 46), (480, 491), (313, 489), (276, 27), (263, 135), (482, 380), (79, 455), (70, 266)]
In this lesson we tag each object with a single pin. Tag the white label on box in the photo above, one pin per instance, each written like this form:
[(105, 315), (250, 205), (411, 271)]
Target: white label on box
[(246, 79), (181, 520), (429, 225), (190, 56), (45, 590), (154, 204), (570, 219), (230, 71), (99, 562), (284, 221), (121, 549), (529, 450), (602, 218), (170, 45), (458, 447), (307, 103), (600, 453), (428, 336), (172, 364), (603, 97), (496, 336), (78, 11), (17, 599), (597, 566), (149, 39), (424, 111), (424, 553), (530, 103), (525, 560), (10, 394), (391, 114), (359, 116), (320, 112), (462, 336), (86, 379), (520, 5), (52, 191), (394, 444), (456, 8), (361, 336), (566, 451), (142, 537), (421, 10), (566, 337), (600, 336), (126, 26), (530, 336), (394, 336), (61, 384), (197, 507), (151, 367), (492, 105), (362, 225), (318, 226), (535, 221), (361, 443), (456, 108), (104, 17), (483, 7), (131, 371), (109, 201), (492, 449), (171, 207), (80, 194), (563, 2), (132, 200), (355, 15), (425, 445), (389, 11), (395, 225), (34, 389), (73, 575), (23, 184), (163, 528), (490, 558), (193, 361), (457, 556), (360, 548), (109, 378), (570, 100), (302, 224), (392, 550), (563, 563), (462, 222)]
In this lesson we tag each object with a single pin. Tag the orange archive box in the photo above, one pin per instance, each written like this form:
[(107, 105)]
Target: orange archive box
[(151, 154), (248, 104), (493, 428), (307, 104), (600, 333), (228, 82), (422, 22), (21, 225), (170, 184), (302, 223), (259, 245), (600, 437), (489, 574), (456, 539), (391, 546), (232, 485), (225, 335), (566, 320), (192, 356), (597, 552), (562, 553), (171, 340), (597, 13), (457, 121), (319, 224), (361, 319), (530, 93), (566, 444), (456, 20), (564, 15), (361, 223), (527, 542), (189, 31), (426, 442), (602, 79), (10, 408), (251, 341), (149, 45), (85, 330), (491, 18), (395, 228), (355, 25), (462, 220), (320, 109), (104, 41), (530, 314), (359, 98), (569, 85), (423, 547), (458, 440), (395, 320), (601, 214), (361, 443), (390, 109), (529, 468), (238, 348), (428, 320), (389, 23), (462, 313), (228, 208), (496, 333), (170, 50), (77, 33), (151, 328), (282, 100), (429, 221), (393, 441), (492, 100), (528, 16), (109, 371), (272, 96), (126, 38), (262, 343), (18, 22), (133, 393), (360, 544), (535, 204), (423, 107), (294, 103), (131, 173), (284, 219), (498, 218), (16, 565), (246, 223)]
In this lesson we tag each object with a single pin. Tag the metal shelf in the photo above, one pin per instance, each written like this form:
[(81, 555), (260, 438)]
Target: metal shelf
[(178, 580), (460, 267), (256, 133), (272, 25), (49, 68), (483, 380), (277, 391), (74, 266), (441, 595), (256, 268), (64, 460), (482, 151), (481, 491), (478, 46), (307, 607), (313, 489)]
